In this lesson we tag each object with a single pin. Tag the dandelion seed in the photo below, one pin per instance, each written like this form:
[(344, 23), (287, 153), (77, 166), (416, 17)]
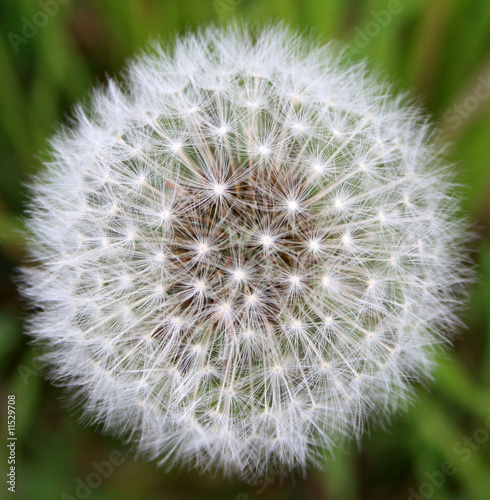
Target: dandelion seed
[(238, 275), (314, 245), (264, 150), (176, 147), (219, 189)]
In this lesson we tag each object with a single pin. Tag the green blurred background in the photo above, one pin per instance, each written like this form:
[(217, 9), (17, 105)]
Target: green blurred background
[(51, 54)]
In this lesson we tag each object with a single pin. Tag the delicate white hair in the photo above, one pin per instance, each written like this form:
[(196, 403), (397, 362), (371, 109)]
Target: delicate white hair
[(244, 250)]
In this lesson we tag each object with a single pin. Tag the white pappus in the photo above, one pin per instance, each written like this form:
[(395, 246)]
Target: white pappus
[(243, 251)]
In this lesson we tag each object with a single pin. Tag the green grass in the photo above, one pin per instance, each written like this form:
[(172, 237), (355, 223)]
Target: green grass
[(440, 50)]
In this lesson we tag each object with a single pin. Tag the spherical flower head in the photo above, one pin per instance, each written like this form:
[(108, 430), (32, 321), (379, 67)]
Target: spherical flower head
[(243, 251)]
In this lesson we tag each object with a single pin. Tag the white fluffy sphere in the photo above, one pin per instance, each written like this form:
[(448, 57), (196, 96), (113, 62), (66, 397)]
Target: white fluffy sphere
[(242, 251)]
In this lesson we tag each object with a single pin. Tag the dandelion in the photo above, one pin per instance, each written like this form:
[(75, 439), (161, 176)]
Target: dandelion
[(244, 252)]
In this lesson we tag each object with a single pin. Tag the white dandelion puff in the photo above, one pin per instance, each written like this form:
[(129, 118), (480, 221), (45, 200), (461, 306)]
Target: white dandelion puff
[(244, 254)]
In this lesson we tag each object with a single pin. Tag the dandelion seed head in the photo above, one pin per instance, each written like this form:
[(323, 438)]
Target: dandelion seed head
[(245, 254)]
